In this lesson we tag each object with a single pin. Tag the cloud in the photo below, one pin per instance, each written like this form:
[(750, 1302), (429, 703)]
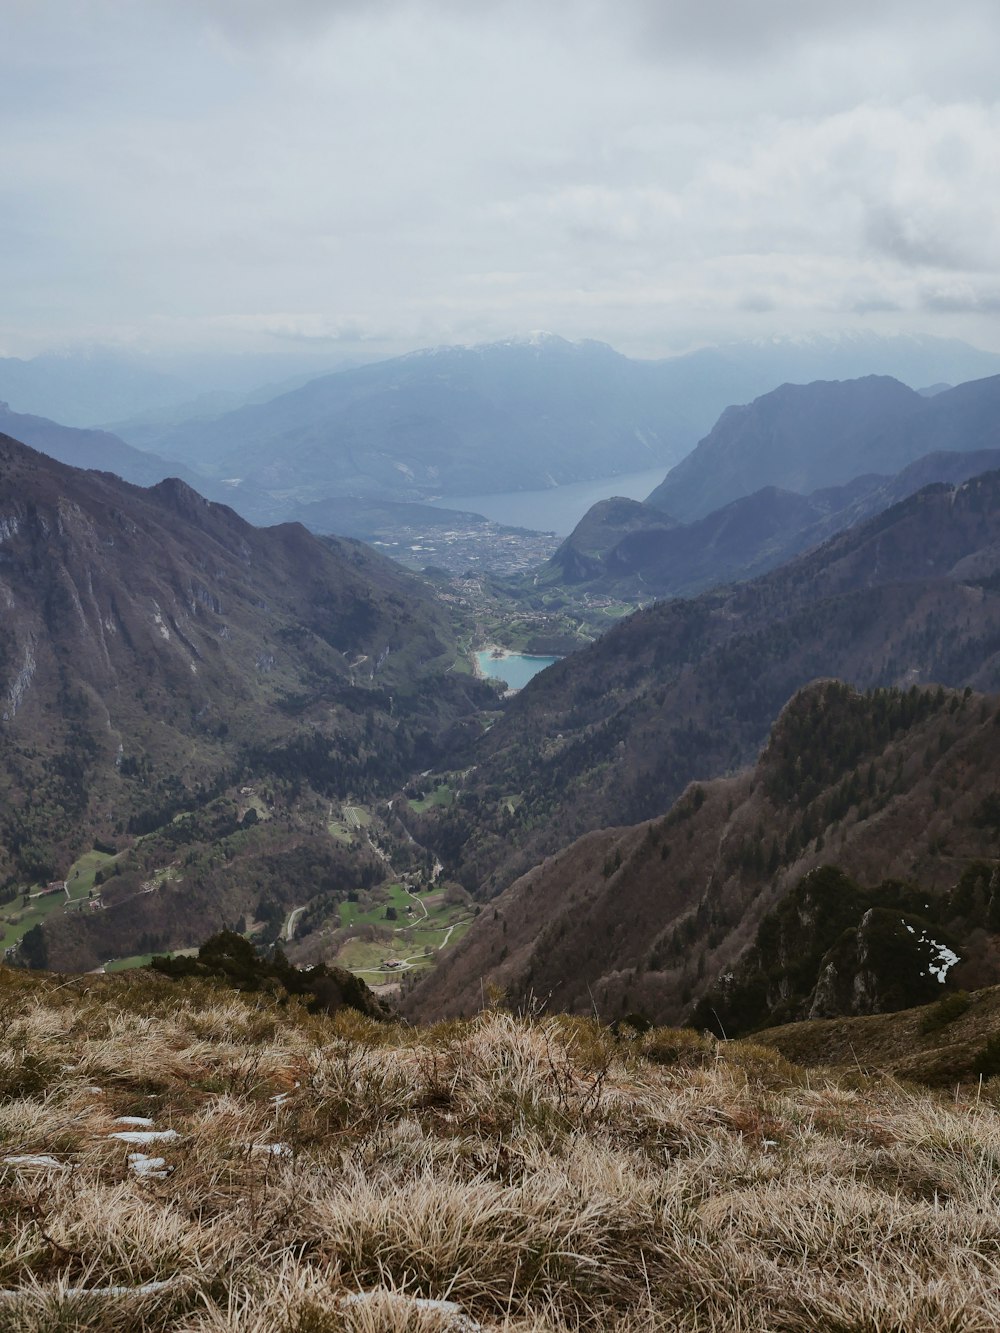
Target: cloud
[(446, 170), (961, 299)]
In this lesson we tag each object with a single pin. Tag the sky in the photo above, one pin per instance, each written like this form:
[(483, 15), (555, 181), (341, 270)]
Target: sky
[(361, 177)]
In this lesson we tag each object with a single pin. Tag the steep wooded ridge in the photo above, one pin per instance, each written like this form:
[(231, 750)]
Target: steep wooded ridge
[(688, 689), (843, 874), (157, 654), (804, 437), (640, 552)]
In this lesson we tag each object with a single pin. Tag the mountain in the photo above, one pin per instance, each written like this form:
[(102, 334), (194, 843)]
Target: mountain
[(172, 677), (727, 910), (94, 386), (86, 387), (520, 414), (96, 449), (803, 437), (654, 556), (687, 689), (584, 554)]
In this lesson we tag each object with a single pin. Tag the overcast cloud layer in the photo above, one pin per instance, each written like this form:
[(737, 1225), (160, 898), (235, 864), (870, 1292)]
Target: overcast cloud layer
[(393, 173)]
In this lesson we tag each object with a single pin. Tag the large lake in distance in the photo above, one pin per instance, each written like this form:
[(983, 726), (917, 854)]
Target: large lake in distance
[(559, 508), (515, 668)]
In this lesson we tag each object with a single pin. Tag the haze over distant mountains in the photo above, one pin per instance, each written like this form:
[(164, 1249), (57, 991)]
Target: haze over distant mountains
[(521, 414), (805, 436), (780, 475)]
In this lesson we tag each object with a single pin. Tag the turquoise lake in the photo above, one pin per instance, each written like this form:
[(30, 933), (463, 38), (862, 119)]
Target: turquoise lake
[(516, 668)]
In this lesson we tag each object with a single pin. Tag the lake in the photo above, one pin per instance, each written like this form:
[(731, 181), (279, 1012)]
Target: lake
[(558, 508), (515, 668)]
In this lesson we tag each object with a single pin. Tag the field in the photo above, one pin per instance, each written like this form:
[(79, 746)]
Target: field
[(352, 819), (16, 919), (433, 923), (442, 796), (353, 914), (500, 1175)]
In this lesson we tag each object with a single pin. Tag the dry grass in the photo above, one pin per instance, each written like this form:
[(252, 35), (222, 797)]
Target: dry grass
[(336, 1174)]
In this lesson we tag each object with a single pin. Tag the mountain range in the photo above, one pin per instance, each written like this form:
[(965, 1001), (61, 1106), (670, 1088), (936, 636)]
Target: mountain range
[(521, 414), (687, 689), (727, 909), (829, 454), (801, 437), (628, 549), (158, 655), (195, 694)]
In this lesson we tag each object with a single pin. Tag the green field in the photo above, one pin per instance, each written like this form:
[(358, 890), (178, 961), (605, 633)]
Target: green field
[(81, 873), (16, 920), (144, 959), (442, 795), (365, 955), (353, 818), (354, 914), (430, 931), (122, 964)]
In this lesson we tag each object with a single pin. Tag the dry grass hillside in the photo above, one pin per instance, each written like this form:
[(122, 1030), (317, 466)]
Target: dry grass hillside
[(312, 1175)]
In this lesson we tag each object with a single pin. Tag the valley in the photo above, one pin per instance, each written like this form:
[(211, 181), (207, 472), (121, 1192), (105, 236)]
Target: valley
[(500, 667), (381, 798)]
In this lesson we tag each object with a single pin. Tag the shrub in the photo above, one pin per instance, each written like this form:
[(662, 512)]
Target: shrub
[(947, 1009)]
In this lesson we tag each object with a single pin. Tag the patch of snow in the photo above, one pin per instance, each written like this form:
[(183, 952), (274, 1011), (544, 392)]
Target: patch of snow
[(36, 1159), (138, 1121), (143, 1136), (942, 958), (946, 959), (154, 1167), (459, 1321), (273, 1149)]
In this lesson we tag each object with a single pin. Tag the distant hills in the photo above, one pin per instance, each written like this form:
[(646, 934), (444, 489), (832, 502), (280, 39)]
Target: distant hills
[(687, 689), (96, 449), (727, 909), (777, 476), (521, 414), (803, 437), (627, 549)]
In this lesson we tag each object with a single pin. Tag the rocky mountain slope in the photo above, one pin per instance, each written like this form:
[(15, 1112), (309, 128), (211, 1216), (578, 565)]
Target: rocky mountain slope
[(159, 657), (852, 870), (652, 555), (688, 689), (803, 437)]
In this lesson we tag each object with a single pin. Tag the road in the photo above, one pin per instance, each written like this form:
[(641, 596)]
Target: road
[(288, 933)]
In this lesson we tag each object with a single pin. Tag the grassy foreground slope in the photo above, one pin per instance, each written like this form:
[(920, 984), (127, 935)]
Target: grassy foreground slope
[(500, 1173)]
